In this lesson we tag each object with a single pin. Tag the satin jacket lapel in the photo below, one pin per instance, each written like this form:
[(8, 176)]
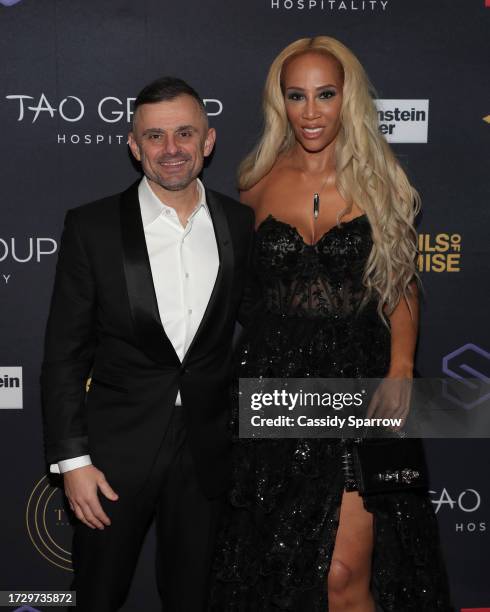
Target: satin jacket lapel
[(216, 311), (141, 291)]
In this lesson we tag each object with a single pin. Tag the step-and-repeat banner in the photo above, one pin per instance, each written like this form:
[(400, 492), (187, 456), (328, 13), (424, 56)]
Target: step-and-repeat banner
[(69, 72)]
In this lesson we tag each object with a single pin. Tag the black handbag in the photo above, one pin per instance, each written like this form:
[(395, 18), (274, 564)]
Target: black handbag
[(384, 465)]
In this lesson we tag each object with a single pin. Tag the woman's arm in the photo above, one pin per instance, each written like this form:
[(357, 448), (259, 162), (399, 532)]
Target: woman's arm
[(392, 397), (404, 321)]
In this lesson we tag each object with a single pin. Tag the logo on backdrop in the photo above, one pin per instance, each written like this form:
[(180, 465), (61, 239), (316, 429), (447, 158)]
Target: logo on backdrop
[(465, 363), (403, 120), (72, 109), (26, 609), (439, 252), (11, 388), (48, 524), (330, 5), (463, 504), (24, 250), (9, 2)]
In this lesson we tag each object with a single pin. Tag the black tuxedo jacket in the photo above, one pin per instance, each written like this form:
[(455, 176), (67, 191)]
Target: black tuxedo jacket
[(104, 322)]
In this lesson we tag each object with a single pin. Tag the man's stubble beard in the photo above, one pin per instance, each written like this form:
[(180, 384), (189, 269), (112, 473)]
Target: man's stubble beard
[(171, 186), (181, 183)]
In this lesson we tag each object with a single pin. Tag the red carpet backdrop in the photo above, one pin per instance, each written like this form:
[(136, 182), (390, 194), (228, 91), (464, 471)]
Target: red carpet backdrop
[(69, 72)]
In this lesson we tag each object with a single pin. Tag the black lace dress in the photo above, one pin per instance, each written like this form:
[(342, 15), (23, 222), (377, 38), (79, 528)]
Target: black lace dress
[(276, 543)]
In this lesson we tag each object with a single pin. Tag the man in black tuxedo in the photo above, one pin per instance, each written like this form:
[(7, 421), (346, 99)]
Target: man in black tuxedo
[(147, 288)]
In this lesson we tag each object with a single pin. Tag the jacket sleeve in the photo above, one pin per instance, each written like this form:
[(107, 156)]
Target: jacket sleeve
[(69, 349)]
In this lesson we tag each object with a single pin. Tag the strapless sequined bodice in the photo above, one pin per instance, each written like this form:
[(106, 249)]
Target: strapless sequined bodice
[(306, 308), (321, 280)]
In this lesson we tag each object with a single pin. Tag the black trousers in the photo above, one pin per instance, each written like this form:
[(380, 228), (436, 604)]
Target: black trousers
[(104, 560)]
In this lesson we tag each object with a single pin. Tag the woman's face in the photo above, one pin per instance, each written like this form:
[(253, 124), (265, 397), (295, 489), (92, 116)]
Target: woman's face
[(312, 85)]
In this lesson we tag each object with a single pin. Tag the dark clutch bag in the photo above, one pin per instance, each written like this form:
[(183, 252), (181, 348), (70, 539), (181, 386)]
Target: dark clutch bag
[(384, 465)]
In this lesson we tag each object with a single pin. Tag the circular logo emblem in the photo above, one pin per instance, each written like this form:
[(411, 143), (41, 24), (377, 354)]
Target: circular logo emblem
[(48, 524)]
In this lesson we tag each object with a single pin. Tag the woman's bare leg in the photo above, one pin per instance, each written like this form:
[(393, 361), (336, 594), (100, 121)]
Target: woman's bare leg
[(350, 570)]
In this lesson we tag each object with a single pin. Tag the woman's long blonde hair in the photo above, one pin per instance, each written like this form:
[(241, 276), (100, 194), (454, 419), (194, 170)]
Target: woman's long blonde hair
[(367, 171)]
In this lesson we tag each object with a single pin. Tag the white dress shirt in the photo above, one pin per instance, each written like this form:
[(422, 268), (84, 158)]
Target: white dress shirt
[(184, 264)]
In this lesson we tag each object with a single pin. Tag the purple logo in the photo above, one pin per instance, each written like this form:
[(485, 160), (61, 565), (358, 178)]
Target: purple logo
[(468, 367), (10, 3), (25, 608)]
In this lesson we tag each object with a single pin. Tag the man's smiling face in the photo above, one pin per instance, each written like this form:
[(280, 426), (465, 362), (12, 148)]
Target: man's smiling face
[(171, 140)]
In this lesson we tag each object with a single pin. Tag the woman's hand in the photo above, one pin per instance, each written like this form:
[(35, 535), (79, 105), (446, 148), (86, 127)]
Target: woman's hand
[(392, 397)]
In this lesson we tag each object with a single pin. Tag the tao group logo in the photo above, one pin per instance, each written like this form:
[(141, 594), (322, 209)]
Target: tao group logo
[(16, 250), (464, 503), (342, 6), (71, 109)]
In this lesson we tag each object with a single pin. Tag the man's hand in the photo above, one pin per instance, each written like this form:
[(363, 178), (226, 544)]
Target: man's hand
[(81, 487)]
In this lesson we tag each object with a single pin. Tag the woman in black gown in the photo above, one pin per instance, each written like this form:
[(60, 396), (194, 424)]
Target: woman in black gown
[(334, 295)]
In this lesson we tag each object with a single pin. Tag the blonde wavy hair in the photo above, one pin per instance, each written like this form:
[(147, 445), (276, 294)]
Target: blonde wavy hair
[(367, 171)]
